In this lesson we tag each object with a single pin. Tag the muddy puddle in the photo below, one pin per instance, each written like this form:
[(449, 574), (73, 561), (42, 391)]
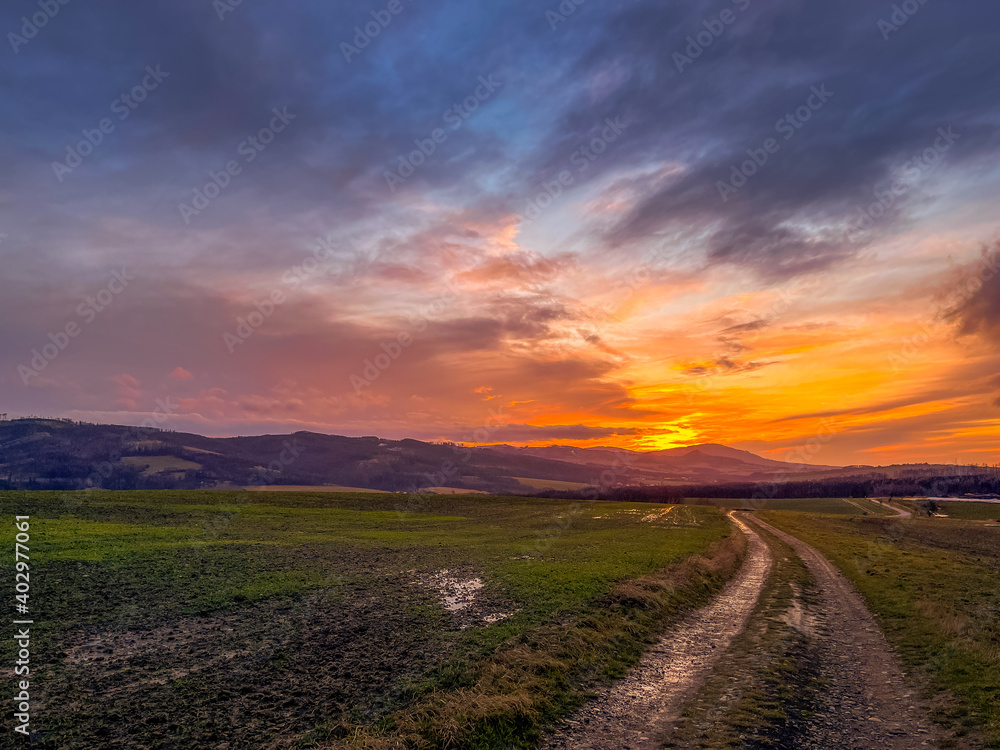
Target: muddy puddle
[(462, 594)]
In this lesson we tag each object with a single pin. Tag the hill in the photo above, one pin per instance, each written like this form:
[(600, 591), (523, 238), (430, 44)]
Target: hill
[(65, 455)]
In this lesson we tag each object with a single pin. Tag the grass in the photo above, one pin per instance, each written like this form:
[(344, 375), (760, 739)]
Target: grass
[(309, 488), (543, 674), (550, 484), (307, 617), (933, 585), (454, 491), (831, 506), (971, 511), (156, 464)]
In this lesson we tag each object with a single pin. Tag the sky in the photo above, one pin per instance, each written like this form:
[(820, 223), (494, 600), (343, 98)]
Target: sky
[(764, 223)]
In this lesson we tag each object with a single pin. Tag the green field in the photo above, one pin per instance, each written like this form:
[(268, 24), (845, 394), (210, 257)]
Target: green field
[(971, 511), (932, 582), (833, 506), (188, 619), (550, 484), (155, 464), (308, 488)]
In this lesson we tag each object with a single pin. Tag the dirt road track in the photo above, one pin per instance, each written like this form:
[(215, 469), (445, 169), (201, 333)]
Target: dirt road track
[(868, 702), (636, 711), (900, 513)]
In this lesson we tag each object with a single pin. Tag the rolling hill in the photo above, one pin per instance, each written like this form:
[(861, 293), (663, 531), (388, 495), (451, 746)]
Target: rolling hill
[(64, 455)]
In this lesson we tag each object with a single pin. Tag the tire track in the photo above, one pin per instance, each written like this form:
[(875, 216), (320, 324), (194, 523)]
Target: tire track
[(635, 712), (869, 703)]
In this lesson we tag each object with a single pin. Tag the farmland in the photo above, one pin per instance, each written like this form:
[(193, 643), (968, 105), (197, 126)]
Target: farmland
[(154, 464), (832, 506), (365, 620), (306, 488), (180, 619), (549, 484), (971, 511)]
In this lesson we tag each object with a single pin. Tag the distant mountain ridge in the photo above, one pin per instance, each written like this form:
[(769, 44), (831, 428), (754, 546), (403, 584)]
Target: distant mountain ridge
[(722, 458), (63, 455)]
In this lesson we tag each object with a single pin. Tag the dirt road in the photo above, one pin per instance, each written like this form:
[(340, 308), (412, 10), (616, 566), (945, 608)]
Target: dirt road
[(867, 703), (900, 513), (636, 711)]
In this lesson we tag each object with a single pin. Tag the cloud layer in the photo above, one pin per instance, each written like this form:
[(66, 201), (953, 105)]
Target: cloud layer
[(637, 224)]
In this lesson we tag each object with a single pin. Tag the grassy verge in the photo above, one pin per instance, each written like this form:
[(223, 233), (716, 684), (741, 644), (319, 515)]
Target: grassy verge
[(765, 688), (933, 585)]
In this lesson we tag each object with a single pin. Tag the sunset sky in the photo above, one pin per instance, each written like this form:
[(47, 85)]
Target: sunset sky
[(509, 213)]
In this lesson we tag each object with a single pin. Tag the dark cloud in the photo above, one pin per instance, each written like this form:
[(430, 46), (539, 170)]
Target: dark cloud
[(754, 325), (451, 220), (527, 432), (355, 119), (725, 366), (979, 313), (888, 100)]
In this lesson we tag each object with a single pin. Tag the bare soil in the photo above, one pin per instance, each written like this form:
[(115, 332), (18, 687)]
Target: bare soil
[(247, 677)]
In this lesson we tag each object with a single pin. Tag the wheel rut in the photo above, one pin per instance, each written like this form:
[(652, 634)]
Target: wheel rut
[(867, 702), (636, 712)]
